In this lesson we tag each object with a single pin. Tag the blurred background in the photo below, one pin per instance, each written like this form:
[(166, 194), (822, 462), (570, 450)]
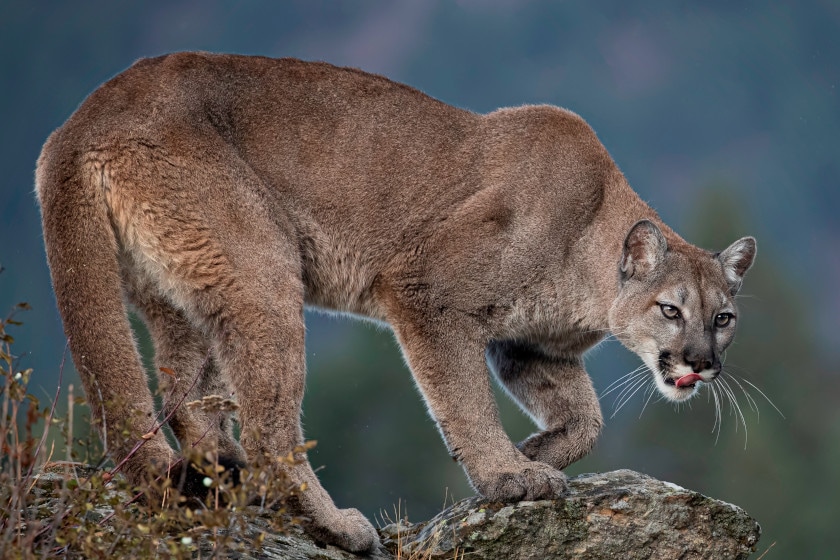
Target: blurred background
[(723, 115)]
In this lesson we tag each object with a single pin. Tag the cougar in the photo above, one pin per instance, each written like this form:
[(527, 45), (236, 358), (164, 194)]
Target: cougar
[(220, 195)]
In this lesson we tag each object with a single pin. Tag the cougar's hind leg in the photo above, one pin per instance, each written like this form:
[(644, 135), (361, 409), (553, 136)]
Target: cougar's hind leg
[(84, 251), (187, 372), (233, 268)]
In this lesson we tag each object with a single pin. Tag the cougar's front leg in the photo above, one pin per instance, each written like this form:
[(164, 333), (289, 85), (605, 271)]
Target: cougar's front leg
[(449, 367), (558, 394)]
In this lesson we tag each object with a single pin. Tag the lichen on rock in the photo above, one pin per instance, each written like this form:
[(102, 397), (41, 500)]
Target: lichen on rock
[(621, 514)]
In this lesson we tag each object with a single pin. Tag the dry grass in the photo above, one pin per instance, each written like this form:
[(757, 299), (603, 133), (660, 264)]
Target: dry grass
[(61, 508), (401, 537)]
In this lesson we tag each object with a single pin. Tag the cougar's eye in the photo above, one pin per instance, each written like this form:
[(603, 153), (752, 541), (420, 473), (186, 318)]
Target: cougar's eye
[(669, 311), (723, 319)]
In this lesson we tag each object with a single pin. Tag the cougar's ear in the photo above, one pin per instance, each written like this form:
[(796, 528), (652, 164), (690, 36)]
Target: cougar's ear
[(644, 249), (736, 260)]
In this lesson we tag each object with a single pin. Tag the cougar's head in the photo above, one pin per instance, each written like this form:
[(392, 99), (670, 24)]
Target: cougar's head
[(676, 306)]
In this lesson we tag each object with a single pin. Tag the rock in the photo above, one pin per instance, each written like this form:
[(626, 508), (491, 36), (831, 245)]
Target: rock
[(294, 545), (622, 514)]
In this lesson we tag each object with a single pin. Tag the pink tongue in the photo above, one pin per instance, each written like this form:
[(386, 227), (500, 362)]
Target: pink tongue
[(689, 379)]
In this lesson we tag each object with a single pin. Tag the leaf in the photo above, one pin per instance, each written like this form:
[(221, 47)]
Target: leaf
[(306, 446), (167, 371), (148, 435), (24, 305)]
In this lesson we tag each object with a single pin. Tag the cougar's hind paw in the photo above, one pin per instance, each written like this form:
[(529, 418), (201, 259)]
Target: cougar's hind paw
[(348, 529)]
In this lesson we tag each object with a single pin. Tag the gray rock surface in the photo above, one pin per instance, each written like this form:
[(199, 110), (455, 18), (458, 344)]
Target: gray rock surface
[(621, 514)]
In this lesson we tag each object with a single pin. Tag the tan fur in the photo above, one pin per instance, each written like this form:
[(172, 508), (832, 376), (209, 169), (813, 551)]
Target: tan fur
[(220, 194)]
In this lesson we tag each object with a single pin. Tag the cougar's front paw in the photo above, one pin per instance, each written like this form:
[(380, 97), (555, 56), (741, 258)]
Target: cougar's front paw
[(347, 529), (529, 480), (560, 447)]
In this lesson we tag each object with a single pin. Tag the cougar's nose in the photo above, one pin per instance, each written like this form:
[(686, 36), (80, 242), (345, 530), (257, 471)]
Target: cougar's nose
[(700, 362)]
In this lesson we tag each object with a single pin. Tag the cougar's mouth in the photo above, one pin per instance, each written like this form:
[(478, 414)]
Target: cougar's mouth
[(674, 381), (687, 381)]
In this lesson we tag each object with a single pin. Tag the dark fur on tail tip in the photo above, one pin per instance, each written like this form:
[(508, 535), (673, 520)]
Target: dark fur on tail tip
[(189, 480)]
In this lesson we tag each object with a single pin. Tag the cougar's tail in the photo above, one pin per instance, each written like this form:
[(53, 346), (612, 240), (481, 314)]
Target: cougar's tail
[(82, 250)]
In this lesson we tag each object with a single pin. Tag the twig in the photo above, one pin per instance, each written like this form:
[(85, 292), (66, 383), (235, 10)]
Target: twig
[(154, 430), (763, 554), (52, 412), (168, 417)]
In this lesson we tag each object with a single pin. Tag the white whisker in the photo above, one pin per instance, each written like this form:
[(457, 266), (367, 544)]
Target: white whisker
[(747, 381), (718, 420), (750, 400), (630, 396), (621, 381), (729, 397), (630, 385), (734, 401), (650, 392)]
